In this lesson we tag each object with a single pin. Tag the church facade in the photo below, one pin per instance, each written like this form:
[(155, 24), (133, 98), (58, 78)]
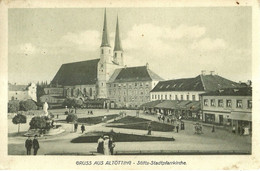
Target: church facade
[(92, 79)]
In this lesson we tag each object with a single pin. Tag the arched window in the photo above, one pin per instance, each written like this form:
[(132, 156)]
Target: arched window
[(102, 51)]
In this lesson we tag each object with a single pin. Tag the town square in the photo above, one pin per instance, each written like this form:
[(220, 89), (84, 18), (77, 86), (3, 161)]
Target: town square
[(115, 81)]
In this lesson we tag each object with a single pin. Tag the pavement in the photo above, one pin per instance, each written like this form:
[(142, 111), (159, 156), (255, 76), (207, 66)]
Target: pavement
[(186, 140)]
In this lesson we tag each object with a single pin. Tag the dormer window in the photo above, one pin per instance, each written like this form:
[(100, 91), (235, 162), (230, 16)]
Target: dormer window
[(180, 84)]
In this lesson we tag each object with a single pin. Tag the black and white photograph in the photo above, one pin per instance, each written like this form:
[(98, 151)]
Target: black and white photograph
[(130, 81)]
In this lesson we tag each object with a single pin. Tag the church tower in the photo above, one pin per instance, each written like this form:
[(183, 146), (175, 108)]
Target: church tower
[(118, 50), (105, 62)]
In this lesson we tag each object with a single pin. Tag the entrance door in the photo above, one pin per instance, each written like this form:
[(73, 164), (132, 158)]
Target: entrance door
[(221, 119)]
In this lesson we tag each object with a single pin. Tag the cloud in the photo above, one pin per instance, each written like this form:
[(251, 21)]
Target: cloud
[(149, 35), (27, 49), (208, 44), (88, 40)]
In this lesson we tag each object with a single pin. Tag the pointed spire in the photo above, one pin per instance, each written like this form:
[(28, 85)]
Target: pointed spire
[(118, 46), (105, 38)]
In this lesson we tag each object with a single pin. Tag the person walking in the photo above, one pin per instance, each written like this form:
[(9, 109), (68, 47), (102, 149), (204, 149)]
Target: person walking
[(36, 145), (100, 145), (76, 127), (177, 128), (106, 145), (28, 145), (111, 145), (149, 127), (82, 128), (213, 128)]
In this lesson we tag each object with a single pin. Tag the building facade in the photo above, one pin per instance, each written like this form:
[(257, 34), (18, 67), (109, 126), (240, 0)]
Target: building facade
[(231, 107), (190, 88), (22, 92), (130, 87)]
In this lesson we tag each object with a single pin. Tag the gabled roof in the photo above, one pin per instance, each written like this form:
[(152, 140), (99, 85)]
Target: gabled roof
[(244, 91), (199, 83), (77, 73), (14, 87), (140, 73)]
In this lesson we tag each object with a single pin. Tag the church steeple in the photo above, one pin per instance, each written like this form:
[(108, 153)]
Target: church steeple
[(118, 46), (118, 50), (105, 37)]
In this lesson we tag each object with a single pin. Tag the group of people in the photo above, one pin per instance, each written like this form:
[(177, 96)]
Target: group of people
[(29, 144), (83, 129), (106, 145)]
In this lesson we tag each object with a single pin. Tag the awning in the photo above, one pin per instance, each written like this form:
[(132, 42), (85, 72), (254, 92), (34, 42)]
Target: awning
[(241, 116), (151, 104)]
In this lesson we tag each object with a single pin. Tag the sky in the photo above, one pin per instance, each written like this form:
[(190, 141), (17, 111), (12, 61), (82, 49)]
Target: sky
[(177, 42)]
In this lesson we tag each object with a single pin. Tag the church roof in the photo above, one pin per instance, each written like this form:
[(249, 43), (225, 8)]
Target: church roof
[(77, 73), (131, 74), (242, 91), (105, 37), (118, 46), (199, 83)]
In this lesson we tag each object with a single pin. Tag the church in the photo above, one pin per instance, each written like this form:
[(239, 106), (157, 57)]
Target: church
[(102, 78)]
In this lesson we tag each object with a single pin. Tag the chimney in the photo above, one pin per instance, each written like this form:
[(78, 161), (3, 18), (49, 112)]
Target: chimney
[(203, 72), (147, 65), (212, 72)]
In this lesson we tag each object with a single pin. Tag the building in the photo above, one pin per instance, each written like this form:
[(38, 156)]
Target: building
[(231, 107), (190, 88), (22, 92), (130, 86), (91, 79)]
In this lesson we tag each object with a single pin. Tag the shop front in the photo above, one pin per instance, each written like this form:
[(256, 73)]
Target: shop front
[(241, 122)]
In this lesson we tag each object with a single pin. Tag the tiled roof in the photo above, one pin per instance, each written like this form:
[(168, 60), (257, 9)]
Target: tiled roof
[(13, 87), (244, 91), (199, 83), (77, 73), (140, 73)]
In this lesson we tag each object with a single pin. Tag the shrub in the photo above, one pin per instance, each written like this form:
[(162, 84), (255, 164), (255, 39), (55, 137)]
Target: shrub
[(19, 119), (13, 106), (27, 105), (38, 122), (71, 118), (69, 102), (66, 113)]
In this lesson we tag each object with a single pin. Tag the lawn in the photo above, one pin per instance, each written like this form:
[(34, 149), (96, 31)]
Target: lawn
[(92, 120), (92, 137), (131, 122), (96, 120)]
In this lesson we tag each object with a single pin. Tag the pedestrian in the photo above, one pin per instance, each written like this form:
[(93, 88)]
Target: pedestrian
[(149, 128), (82, 128), (75, 127), (106, 145), (111, 145), (182, 125), (163, 118), (213, 128), (177, 128), (88, 112), (28, 145), (36, 145), (234, 130), (100, 148)]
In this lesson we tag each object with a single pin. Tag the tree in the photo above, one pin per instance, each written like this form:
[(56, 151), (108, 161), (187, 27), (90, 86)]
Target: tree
[(38, 123), (71, 118), (40, 92), (13, 106), (27, 105), (19, 119)]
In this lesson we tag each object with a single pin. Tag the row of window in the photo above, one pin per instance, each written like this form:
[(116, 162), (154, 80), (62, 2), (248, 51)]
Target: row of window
[(135, 92), (134, 98), (220, 103), (130, 85), (172, 97)]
